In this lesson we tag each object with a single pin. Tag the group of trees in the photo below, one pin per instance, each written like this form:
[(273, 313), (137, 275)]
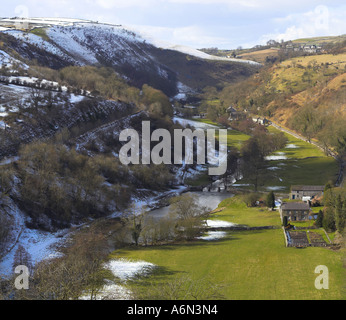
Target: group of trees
[(254, 151), (57, 186), (66, 277), (185, 221), (106, 83), (333, 217)]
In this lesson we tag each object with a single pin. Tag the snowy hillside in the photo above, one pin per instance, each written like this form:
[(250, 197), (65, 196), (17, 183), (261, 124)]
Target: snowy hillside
[(57, 43), (203, 55)]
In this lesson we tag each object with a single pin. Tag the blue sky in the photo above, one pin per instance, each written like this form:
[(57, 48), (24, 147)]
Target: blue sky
[(226, 24)]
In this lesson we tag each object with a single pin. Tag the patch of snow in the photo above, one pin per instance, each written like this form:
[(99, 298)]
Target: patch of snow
[(213, 235), (40, 43), (72, 38), (8, 61), (111, 291), (193, 52), (180, 96), (292, 146), (219, 224), (273, 168), (276, 157), (126, 269), (8, 160), (76, 98), (195, 124), (275, 188), (40, 245), (3, 125)]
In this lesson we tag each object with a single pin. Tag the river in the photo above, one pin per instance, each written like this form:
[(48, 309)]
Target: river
[(205, 199)]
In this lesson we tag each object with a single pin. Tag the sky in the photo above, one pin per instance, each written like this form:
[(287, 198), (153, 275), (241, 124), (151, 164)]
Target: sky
[(225, 24)]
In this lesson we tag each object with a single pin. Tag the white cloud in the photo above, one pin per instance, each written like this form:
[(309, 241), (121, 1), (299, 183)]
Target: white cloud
[(224, 24), (322, 21), (194, 36)]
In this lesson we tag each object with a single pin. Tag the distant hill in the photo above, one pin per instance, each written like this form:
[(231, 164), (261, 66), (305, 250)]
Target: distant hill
[(274, 50), (321, 40)]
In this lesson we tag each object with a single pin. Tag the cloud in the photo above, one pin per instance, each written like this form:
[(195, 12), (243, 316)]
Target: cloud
[(321, 21), (110, 4), (193, 35), (224, 24)]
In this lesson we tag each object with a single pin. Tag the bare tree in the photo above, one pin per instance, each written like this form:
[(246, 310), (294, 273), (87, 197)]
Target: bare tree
[(189, 214)]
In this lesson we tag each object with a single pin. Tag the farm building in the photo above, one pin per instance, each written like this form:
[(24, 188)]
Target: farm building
[(295, 211), (234, 114), (262, 121), (303, 192)]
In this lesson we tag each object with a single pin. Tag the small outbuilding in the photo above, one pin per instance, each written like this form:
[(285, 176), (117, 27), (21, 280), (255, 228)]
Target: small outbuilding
[(300, 192)]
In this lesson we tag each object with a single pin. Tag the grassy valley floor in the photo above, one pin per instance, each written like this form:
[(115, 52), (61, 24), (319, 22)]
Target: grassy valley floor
[(254, 265), (250, 265), (299, 163)]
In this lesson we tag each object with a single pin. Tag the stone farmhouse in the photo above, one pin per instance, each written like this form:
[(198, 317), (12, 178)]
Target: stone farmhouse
[(295, 211), (301, 192), (234, 114)]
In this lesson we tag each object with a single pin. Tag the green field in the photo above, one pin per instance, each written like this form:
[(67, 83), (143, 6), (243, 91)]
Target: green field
[(305, 164), (250, 265), (236, 138)]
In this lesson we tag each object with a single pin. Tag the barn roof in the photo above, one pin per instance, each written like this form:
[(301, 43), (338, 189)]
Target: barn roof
[(307, 188), (295, 206)]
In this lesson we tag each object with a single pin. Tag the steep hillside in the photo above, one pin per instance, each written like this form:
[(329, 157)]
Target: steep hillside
[(57, 45)]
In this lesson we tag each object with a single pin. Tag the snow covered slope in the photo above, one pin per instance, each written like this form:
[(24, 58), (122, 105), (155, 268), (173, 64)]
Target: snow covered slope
[(203, 55), (58, 43)]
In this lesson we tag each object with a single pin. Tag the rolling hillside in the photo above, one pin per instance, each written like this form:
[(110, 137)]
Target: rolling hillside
[(305, 94)]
